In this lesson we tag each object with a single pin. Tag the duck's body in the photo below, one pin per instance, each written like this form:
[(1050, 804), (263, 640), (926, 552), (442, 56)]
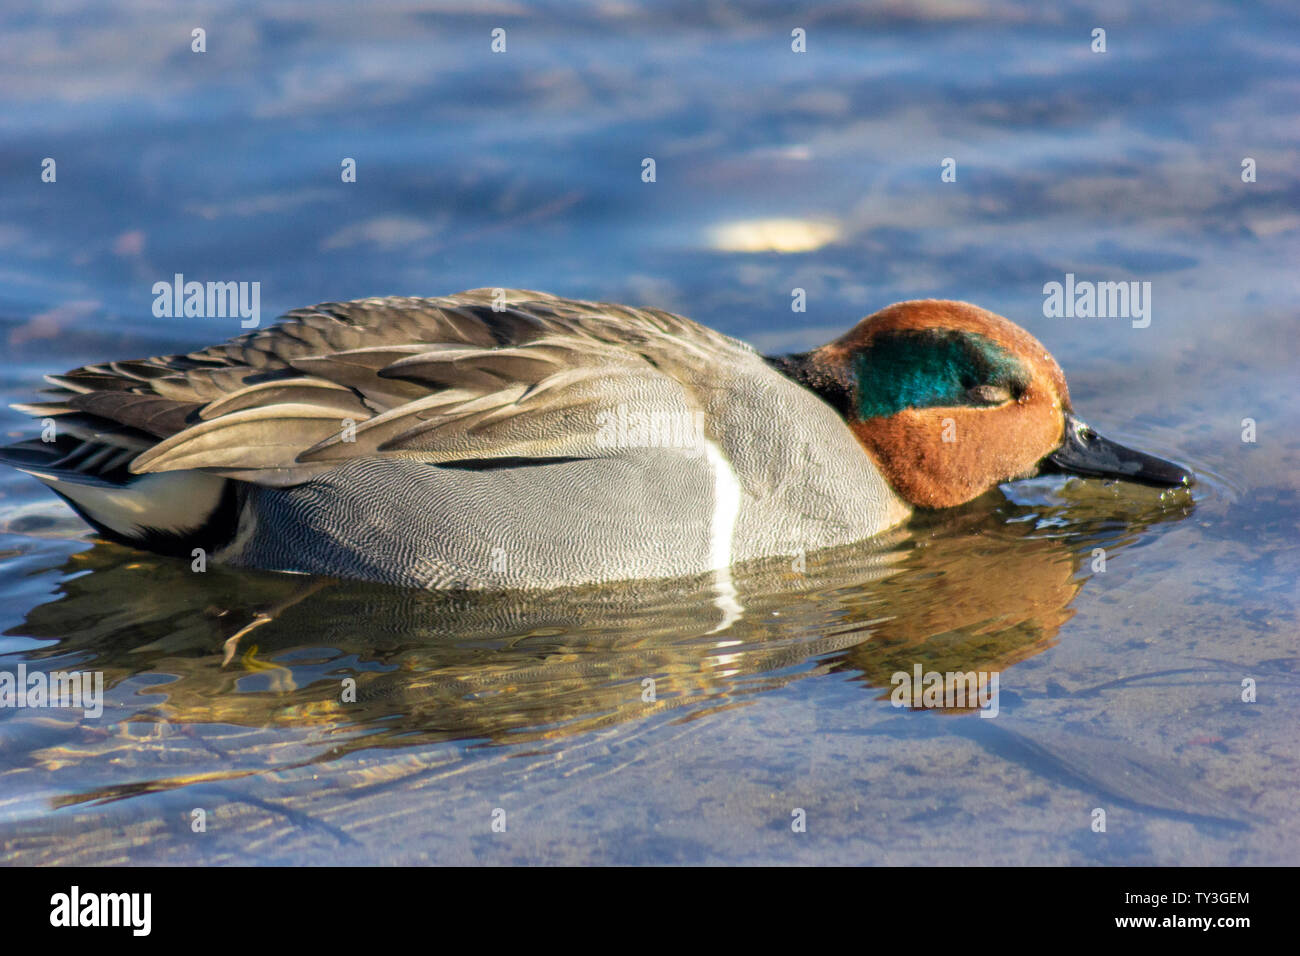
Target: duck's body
[(517, 439)]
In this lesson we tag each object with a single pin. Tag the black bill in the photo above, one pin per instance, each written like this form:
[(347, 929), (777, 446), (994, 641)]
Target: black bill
[(1084, 452)]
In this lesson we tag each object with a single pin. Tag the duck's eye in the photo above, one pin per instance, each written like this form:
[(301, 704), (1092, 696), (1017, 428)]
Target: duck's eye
[(989, 395)]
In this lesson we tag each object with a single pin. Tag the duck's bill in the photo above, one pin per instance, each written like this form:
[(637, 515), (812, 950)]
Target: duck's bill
[(1084, 452)]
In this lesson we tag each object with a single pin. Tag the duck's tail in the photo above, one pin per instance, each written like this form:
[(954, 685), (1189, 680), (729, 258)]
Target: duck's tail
[(169, 512)]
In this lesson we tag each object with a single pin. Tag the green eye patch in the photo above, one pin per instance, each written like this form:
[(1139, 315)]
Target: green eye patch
[(928, 368)]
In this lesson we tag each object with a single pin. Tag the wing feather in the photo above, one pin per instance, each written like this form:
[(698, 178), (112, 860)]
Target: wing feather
[(479, 375), (268, 437)]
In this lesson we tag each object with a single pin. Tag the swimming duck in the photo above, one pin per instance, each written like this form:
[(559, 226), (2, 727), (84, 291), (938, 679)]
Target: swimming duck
[(508, 439)]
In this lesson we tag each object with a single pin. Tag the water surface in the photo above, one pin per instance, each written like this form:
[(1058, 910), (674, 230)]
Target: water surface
[(1120, 689)]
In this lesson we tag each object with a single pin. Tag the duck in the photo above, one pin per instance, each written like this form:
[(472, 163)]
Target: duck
[(513, 439)]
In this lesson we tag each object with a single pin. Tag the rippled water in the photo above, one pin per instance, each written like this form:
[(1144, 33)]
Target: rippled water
[(1120, 688)]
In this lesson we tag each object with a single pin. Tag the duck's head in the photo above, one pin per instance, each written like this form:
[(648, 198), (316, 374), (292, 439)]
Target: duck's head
[(950, 400)]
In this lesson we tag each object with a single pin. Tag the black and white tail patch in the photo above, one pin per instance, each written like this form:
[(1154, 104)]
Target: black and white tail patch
[(170, 512)]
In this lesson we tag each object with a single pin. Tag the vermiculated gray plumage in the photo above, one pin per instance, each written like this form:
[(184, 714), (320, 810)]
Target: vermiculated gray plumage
[(446, 442)]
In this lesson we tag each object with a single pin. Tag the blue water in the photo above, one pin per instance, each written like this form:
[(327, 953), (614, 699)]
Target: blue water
[(774, 171)]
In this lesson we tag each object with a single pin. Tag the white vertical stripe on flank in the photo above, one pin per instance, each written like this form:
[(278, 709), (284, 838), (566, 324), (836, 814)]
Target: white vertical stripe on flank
[(722, 527), (726, 507)]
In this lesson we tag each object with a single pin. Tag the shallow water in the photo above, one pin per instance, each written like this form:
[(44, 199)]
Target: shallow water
[(1119, 689)]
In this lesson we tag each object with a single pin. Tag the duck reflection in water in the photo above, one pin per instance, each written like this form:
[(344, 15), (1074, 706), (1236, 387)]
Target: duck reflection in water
[(977, 588)]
